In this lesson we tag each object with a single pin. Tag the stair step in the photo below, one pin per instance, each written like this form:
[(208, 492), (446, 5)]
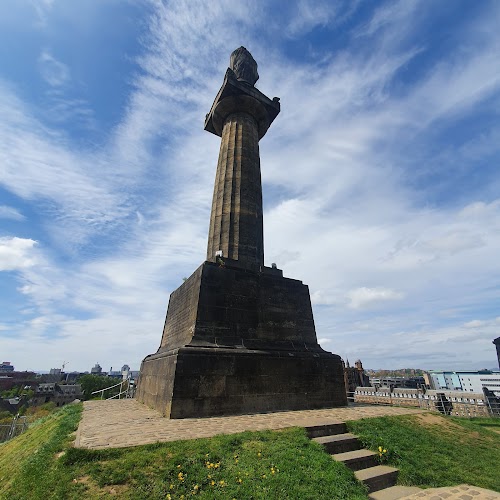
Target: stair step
[(339, 443), (378, 477), (357, 459), (328, 429), (394, 493)]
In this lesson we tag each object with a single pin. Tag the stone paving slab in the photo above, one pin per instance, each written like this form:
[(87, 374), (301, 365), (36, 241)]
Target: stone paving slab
[(126, 422), (461, 492)]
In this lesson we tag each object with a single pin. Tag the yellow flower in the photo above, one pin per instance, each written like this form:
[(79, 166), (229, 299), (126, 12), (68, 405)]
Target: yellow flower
[(380, 449), (222, 482), (212, 482), (385, 451), (169, 497), (259, 454), (263, 476), (171, 486), (239, 480), (178, 466)]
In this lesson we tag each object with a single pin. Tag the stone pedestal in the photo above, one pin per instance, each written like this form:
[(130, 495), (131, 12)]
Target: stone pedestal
[(237, 341)]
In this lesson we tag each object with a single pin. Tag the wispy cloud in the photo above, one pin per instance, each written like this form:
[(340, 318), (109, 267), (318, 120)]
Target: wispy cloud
[(7, 212), (54, 72)]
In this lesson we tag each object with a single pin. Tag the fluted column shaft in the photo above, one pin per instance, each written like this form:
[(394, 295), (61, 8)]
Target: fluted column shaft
[(236, 225)]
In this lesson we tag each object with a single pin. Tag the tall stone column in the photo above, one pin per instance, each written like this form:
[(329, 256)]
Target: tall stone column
[(240, 115), (236, 227)]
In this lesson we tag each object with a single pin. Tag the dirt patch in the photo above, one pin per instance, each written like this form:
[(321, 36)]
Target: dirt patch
[(116, 489), (82, 480), (437, 421)]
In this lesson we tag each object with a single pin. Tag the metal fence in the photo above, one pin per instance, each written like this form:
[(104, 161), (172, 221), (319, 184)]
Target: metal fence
[(457, 406), (18, 425)]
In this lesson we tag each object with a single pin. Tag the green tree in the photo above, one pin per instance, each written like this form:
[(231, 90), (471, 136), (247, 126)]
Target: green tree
[(91, 383)]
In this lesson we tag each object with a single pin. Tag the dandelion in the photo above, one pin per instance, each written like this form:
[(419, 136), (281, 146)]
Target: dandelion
[(222, 483), (384, 451), (178, 466), (195, 489), (239, 480), (259, 454), (169, 497), (171, 486), (212, 482), (180, 476), (263, 476)]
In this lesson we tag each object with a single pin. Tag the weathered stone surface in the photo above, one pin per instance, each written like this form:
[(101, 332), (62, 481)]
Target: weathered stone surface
[(222, 381), (236, 226), (235, 307)]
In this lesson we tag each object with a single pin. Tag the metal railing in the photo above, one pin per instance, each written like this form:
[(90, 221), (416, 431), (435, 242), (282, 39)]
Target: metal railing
[(462, 406), (123, 393), (18, 425)]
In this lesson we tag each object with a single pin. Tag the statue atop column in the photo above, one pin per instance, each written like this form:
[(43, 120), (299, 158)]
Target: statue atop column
[(244, 65)]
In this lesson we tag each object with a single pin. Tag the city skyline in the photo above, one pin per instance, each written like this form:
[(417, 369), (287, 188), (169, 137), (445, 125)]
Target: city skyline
[(380, 175)]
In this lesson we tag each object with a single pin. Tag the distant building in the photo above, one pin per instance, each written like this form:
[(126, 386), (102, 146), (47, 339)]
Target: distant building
[(60, 394), (6, 367), (467, 381), (55, 371), (96, 370), (355, 376), (400, 382)]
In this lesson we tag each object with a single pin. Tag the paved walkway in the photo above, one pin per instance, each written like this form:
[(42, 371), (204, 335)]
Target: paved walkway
[(126, 422), (462, 492)]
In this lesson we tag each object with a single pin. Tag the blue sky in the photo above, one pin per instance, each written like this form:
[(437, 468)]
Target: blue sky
[(381, 175)]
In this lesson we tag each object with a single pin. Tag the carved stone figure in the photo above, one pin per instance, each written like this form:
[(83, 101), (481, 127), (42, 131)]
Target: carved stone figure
[(244, 65)]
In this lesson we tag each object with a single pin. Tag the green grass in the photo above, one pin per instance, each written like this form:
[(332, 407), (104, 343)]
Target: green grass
[(28, 464), (429, 450), (270, 465), (434, 451)]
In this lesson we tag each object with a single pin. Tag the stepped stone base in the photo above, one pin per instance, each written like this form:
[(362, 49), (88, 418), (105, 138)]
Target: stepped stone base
[(239, 340), (203, 382)]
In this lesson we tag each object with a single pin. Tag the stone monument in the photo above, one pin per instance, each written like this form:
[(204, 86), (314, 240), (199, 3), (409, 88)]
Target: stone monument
[(238, 336)]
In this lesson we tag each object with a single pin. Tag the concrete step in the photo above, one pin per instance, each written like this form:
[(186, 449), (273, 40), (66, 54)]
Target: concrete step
[(357, 459), (339, 443), (394, 493), (378, 477), (328, 429)]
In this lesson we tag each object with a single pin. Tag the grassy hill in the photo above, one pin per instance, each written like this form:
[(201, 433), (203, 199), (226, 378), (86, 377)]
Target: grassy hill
[(40, 464), (430, 450)]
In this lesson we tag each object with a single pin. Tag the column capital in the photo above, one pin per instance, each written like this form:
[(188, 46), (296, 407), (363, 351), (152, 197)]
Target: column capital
[(236, 96)]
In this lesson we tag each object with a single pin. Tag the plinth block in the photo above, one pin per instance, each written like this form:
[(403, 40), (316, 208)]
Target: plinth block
[(238, 341), (196, 382)]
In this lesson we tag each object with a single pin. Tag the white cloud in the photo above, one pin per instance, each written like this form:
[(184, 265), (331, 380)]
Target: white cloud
[(10, 213), (365, 297), (17, 253), (54, 72)]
